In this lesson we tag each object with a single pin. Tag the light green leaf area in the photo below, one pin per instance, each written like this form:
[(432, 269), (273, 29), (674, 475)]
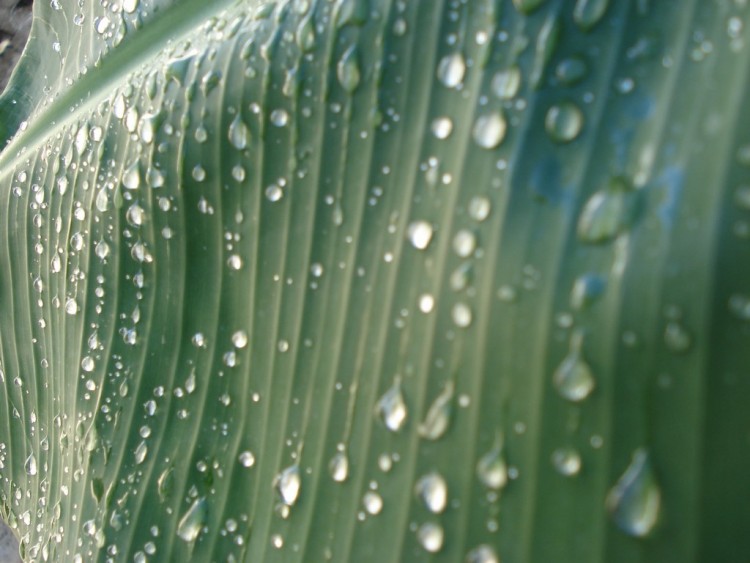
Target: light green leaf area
[(377, 280)]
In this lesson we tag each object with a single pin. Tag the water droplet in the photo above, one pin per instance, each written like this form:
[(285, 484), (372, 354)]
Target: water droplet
[(461, 315), (489, 129), (586, 289), (634, 502), (129, 6), (432, 490), (546, 43), (464, 243), (564, 122), (306, 34), (566, 461), (135, 215), (479, 208), (431, 536), (419, 234), (279, 117), (246, 459), (451, 70), (606, 214), (438, 417), (482, 554), (571, 71), (239, 133), (347, 70), (372, 502), (426, 303), (339, 467), (442, 127), (56, 264), (239, 339), (288, 484), (141, 451), (739, 306), (198, 173), (131, 177), (274, 193), (71, 306), (573, 378), (30, 465), (677, 337), (101, 250), (587, 13), (192, 522), (527, 6), (506, 83), (391, 407), (492, 469), (234, 262), (87, 364)]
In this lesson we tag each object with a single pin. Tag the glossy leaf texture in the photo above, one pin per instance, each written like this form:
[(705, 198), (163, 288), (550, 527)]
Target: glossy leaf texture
[(451, 280)]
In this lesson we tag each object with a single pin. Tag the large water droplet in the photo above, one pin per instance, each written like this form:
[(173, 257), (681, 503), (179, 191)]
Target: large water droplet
[(587, 13), (442, 127), (451, 70), (432, 490), (239, 133), (492, 469), (391, 407), (288, 484), (431, 536), (30, 465), (419, 234), (489, 129), (506, 83), (246, 458), (339, 467), (439, 415), (573, 378), (192, 522), (131, 177), (634, 503), (564, 122), (347, 70), (606, 213), (372, 502)]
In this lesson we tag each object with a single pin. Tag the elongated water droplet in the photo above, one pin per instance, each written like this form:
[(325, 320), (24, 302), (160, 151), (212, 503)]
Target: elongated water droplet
[(527, 6), (489, 129), (165, 482), (573, 378), (546, 42), (30, 465), (431, 536), (587, 13), (131, 177), (339, 467), (432, 490), (634, 503), (306, 34), (438, 416), (347, 70), (419, 234), (141, 451), (391, 407), (606, 214), (567, 461), (192, 522), (564, 122), (288, 484), (492, 469), (239, 133), (451, 70)]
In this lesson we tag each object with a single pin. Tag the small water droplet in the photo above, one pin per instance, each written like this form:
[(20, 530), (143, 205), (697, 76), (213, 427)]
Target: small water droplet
[(492, 469), (426, 302), (489, 129), (239, 133), (419, 234), (479, 208), (571, 71), (566, 461), (677, 337), (288, 484), (279, 117), (573, 378), (461, 315), (634, 503), (246, 458), (451, 70), (274, 193), (372, 502), (606, 214), (391, 407), (564, 122), (587, 13), (135, 215), (30, 465), (239, 339), (141, 451), (432, 490), (87, 364), (438, 417), (192, 522), (431, 536), (339, 467), (482, 554), (442, 127), (464, 243)]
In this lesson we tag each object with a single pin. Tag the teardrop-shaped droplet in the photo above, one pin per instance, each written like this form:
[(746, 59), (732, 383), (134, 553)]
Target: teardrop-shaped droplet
[(391, 407), (30, 465), (492, 469), (489, 129), (432, 490), (347, 70), (438, 416), (131, 177), (431, 536), (419, 234), (451, 70), (634, 503), (587, 13), (306, 34), (564, 122), (140, 453), (165, 483), (288, 484), (339, 467), (606, 214), (573, 378), (192, 522), (239, 133)]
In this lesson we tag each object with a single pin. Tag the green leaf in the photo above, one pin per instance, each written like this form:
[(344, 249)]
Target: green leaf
[(373, 280)]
